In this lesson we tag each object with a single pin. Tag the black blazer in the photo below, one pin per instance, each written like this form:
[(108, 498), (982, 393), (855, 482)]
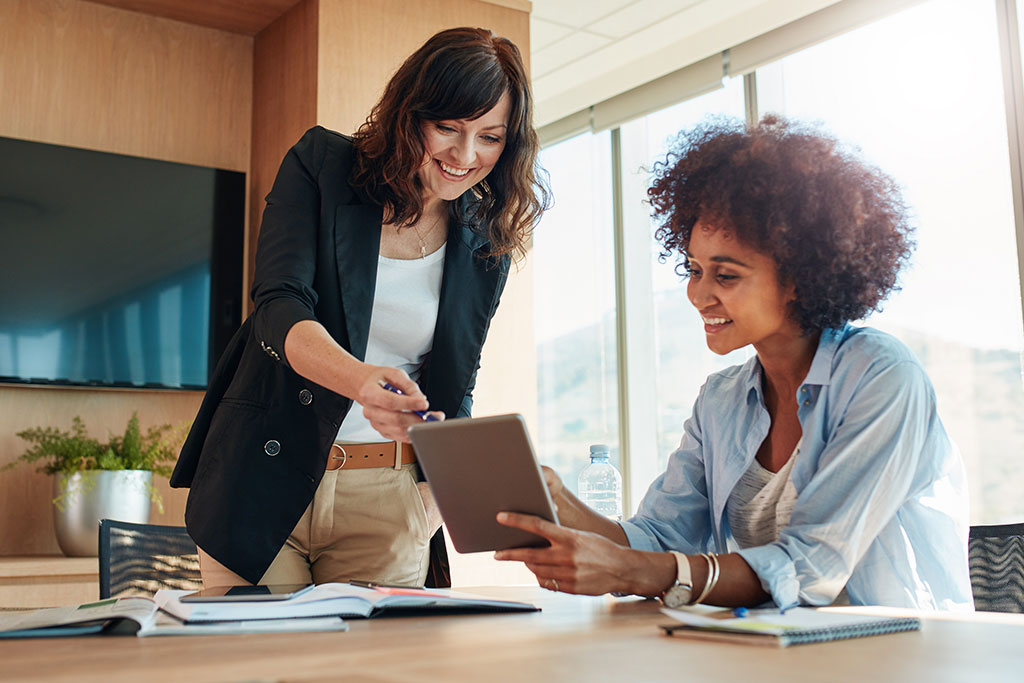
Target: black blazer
[(259, 445)]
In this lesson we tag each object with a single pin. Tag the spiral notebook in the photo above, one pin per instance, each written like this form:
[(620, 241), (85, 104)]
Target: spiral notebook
[(773, 628)]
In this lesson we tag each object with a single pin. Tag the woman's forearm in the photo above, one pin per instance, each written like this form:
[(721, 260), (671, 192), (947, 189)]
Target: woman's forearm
[(738, 585), (651, 574), (314, 354)]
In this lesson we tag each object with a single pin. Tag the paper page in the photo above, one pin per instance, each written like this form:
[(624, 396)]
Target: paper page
[(388, 595), (401, 598), (166, 625), (320, 605)]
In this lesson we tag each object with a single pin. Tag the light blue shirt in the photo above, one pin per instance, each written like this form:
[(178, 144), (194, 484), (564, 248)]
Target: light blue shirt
[(881, 491)]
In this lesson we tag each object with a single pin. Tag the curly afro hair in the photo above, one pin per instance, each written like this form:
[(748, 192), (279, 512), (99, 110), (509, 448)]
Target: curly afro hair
[(837, 227)]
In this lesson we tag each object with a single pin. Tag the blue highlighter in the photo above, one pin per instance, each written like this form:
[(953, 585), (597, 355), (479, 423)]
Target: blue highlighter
[(422, 413)]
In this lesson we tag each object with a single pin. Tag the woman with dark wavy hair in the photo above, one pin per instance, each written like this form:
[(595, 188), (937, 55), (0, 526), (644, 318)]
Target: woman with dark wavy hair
[(380, 263), (818, 471)]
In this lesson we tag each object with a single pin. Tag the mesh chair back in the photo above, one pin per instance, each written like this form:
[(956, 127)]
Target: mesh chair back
[(140, 559), (996, 556)]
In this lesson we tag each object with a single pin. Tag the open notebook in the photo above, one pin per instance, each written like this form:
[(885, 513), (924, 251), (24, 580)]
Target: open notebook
[(773, 628), (338, 600)]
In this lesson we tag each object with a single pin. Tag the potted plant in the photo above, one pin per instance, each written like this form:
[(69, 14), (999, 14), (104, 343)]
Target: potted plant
[(95, 480)]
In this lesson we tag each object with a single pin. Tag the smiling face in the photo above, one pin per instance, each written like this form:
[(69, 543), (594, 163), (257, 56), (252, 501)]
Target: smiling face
[(737, 292), (461, 152)]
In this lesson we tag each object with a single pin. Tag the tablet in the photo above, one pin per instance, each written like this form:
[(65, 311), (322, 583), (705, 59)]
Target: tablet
[(478, 467), (247, 593)]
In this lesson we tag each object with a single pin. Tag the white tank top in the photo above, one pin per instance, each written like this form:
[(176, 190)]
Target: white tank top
[(405, 303), (761, 503)]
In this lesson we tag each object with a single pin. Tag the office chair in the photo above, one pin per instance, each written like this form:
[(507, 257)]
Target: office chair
[(996, 557), (139, 559)]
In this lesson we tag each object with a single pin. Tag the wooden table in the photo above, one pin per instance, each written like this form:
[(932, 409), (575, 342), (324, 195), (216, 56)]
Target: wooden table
[(572, 639)]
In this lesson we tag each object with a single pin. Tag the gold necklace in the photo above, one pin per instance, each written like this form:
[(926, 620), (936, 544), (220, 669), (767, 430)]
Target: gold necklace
[(423, 243)]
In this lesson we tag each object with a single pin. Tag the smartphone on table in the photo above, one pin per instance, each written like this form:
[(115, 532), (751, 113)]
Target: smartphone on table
[(248, 593)]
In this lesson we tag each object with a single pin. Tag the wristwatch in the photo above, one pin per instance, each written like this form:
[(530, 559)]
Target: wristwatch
[(681, 592)]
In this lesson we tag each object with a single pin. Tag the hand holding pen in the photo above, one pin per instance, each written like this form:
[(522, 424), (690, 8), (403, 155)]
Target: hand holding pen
[(427, 417), (391, 412)]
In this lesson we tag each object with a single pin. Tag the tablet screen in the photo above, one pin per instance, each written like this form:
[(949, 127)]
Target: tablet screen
[(478, 467)]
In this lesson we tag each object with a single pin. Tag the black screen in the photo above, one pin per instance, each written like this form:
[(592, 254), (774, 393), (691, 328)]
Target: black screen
[(115, 270)]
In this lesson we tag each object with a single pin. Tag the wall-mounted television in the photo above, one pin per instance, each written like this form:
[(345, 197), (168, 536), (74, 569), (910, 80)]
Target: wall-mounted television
[(116, 271)]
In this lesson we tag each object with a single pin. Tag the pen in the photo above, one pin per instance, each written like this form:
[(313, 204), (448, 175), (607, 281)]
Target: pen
[(422, 413)]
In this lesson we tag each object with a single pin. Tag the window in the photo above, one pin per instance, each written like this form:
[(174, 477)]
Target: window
[(1020, 35), (921, 93), (574, 309), (682, 360)]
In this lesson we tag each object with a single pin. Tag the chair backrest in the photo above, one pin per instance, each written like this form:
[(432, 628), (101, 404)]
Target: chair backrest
[(140, 559), (996, 556)]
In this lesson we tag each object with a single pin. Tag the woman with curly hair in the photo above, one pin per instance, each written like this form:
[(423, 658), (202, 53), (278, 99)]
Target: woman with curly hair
[(380, 263), (818, 471)]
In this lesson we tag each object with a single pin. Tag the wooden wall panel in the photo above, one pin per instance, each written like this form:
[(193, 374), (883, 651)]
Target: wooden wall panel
[(353, 31), (86, 75), (81, 74), (238, 16), (284, 103)]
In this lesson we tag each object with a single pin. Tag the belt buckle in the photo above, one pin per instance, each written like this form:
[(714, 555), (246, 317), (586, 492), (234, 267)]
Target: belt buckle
[(398, 455), (343, 457)]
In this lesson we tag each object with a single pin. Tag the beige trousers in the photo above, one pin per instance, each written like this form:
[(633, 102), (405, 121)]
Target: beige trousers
[(367, 524)]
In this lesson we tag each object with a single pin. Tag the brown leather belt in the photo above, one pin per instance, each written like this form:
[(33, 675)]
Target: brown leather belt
[(357, 456)]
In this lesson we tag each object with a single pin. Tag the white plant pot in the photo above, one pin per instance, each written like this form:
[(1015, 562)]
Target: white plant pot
[(87, 497)]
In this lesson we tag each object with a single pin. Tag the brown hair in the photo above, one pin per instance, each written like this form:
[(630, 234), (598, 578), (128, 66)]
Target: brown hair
[(836, 226), (459, 73)]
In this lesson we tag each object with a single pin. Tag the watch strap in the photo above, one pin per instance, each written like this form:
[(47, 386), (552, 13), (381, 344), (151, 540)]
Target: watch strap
[(683, 577), (680, 593)]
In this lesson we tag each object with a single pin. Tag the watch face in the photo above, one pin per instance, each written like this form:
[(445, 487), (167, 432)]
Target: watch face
[(677, 596)]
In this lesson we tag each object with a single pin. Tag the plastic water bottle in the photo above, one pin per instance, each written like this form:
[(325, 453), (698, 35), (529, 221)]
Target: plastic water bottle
[(600, 484)]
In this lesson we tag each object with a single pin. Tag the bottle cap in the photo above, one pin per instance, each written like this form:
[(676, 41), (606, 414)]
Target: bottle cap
[(600, 449)]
